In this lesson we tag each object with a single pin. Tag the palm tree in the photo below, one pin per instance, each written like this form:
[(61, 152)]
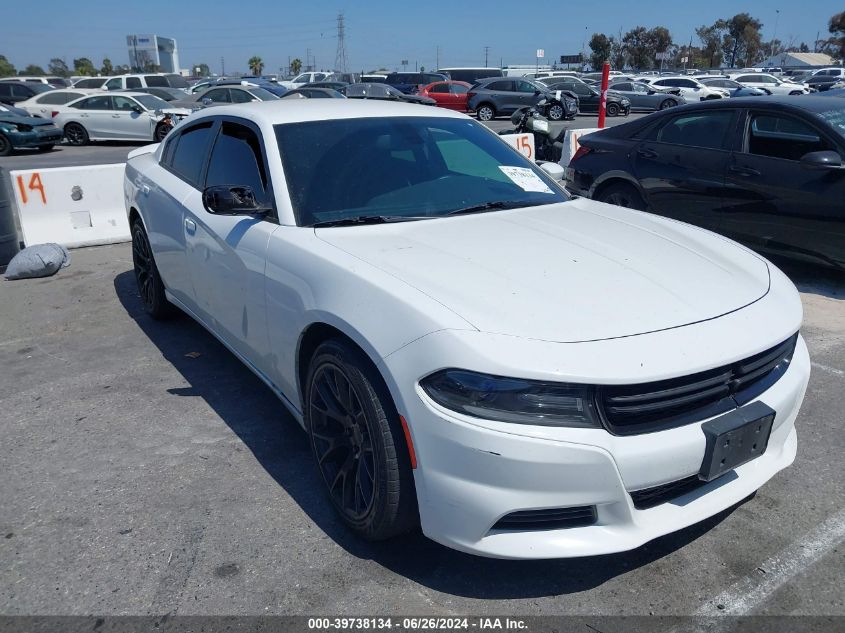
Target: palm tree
[(255, 65), (296, 66)]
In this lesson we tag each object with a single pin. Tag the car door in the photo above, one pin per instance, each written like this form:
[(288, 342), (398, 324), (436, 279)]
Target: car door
[(226, 253), (458, 95), (95, 115), (440, 93), (681, 164), (587, 101), (774, 202), (526, 93), (129, 124), (180, 175)]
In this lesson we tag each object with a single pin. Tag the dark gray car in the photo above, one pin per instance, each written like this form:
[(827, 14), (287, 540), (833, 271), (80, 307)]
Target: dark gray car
[(219, 95), (497, 96), (645, 98)]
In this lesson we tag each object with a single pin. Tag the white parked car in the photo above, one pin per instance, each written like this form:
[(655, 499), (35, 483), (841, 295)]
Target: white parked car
[(304, 78), (129, 116), (43, 105), (525, 374), (691, 89), (91, 83), (769, 83)]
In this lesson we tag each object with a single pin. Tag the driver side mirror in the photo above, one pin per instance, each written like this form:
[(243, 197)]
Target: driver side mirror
[(206, 101), (822, 160), (231, 200), (137, 109)]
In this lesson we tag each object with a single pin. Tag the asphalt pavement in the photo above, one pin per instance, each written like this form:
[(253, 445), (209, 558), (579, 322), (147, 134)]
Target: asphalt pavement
[(145, 470)]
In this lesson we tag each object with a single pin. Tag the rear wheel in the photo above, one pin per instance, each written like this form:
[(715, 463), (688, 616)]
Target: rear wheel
[(556, 112), (668, 103), (622, 195), (76, 134), (612, 109), (150, 286), (485, 112), (5, 146), (358, 442), (162, 131)]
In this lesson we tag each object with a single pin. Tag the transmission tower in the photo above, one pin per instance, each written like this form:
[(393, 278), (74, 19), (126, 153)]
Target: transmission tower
[(340, 56)]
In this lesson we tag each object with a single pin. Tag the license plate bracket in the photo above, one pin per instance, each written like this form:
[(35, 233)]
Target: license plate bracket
[(735, 439)]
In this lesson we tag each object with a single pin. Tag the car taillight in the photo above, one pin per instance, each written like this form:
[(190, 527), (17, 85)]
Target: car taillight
[(582, 151)]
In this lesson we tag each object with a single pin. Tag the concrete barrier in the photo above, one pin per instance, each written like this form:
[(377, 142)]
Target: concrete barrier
[(571, 145), (73, 206), (8, 230), (522, 142)]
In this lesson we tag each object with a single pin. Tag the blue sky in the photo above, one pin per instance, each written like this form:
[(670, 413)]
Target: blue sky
[(379, 32)]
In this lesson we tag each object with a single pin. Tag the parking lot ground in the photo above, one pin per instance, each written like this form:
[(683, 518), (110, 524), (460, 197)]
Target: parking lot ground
[(145, 470), (116, 151)]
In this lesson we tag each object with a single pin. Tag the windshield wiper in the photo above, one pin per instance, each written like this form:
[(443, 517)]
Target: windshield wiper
[(369, 219), (496, 204)]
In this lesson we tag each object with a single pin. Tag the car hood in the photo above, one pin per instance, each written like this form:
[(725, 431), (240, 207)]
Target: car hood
[(24, 120), (569, 272)]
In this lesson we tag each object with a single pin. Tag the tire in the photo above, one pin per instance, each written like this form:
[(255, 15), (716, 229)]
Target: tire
[(5, 146), (612, 109), (622, 195), (45, 148), (667, 103), (485, 112), (150, 286), (76, 134), (556, 112), (161, 132), (358, 443)]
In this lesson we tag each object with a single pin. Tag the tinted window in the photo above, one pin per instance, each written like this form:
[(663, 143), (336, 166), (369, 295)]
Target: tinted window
[(458, 89), (133, 82), (218, 95), (20, 90), (151, 102), (5, 90), (711, 130), (94, 103), (401, 166), (240, 96), (58, 98), (124, 103), (236, 159), (89, 83), (525, 86), (191, 151), (748, 79), (176, 81), (624, 87), (783, 137), (505, 86), (440, 88), (157, 81), (114, 84)]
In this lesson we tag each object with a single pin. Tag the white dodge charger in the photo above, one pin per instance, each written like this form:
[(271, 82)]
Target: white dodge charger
[(523, 374)]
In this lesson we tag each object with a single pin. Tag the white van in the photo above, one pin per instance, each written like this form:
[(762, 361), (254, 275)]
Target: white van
[(56, 82), (147, 80)]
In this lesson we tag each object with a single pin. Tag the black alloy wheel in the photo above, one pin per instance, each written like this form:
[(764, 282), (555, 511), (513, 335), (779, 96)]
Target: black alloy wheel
[(150, 286), (358, 443), (612, 109), (622, 195), (76, 134), (5, 146)]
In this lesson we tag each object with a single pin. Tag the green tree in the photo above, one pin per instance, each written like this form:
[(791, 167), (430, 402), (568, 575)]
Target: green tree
[(33, 70), (256, 66), (57, 66), (202, 70), (296, 66), (638, 47), (107, 68), (618, 58), (6, 67), (836, 43), (84, 66), (600, 45), (711, 44), (123, 69), (741, 41)]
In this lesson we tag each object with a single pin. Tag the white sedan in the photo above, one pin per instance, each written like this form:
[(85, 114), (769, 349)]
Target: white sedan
[(771, 84), (43, 105), (128, 116), (524, 374)]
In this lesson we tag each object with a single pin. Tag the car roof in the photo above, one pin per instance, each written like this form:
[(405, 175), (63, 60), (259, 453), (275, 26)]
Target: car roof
[(808, 103), (302, 110)]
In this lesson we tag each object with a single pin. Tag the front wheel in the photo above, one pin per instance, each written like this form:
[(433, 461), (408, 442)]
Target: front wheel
[(5, 145), (76, 134), (612, 109), (556, 112), (622, 195), (485, 112), (150, 286), (162, 130), (668, 103), (358, 443)]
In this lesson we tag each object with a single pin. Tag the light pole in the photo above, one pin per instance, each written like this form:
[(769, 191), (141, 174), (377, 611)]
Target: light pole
[(775, 33)]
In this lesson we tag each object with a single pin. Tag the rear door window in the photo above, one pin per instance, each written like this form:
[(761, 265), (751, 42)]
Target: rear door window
[(218, 95), (157, 81), (100, 102), (191, 149), (709, 130), (133, 82)]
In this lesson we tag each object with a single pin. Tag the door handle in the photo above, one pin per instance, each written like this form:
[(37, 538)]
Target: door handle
[(115, 116), (647, 153), (190, 226), (743, 171)]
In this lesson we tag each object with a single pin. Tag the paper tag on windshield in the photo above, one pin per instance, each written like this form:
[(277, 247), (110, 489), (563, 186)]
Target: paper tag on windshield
[(525, 179)]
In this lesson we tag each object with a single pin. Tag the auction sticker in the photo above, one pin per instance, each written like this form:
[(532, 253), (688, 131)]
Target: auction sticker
[(525, 179)]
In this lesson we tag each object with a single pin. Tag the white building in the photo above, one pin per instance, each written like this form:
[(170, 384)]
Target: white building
[(153, 49), (798, 60)]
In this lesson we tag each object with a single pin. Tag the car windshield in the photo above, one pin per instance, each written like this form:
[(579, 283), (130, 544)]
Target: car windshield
[(39, 88), (261, 93), (404, 167), (151, 102)]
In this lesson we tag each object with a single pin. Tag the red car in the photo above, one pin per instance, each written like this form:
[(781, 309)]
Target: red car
[(448, 94)]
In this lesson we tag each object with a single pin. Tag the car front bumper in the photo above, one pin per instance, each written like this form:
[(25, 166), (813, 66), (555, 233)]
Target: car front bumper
[(471, 473), (35, 137)]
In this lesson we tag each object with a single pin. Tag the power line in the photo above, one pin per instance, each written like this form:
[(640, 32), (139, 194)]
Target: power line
[(340, 55), (486, 55)]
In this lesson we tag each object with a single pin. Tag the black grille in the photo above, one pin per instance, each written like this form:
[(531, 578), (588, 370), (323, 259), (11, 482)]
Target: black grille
[(654, 406), (551, 519), (650, 497)]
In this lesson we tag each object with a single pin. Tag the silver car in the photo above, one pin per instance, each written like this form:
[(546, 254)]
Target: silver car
[(645, 98)]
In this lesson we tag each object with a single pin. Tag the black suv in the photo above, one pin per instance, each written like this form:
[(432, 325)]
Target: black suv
[(409, 83), (12, 92)]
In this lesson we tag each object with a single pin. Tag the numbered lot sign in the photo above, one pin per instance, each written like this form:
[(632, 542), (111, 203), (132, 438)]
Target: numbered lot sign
[(522, 142)]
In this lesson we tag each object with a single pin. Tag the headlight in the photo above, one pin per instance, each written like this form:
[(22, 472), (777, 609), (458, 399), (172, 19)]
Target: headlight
[(513, 400)]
